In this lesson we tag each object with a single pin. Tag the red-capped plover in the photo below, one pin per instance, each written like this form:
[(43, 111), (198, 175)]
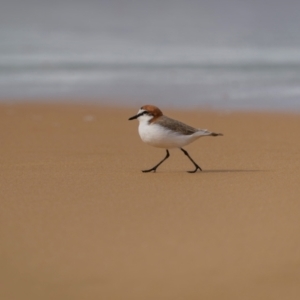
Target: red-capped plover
[(157, 130)]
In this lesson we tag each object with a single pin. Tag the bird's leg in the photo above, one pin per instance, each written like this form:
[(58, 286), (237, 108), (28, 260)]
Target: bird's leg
[(156, 166), (197, 167)]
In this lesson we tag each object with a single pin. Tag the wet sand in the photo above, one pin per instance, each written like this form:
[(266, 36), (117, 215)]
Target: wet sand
[(79, 220)]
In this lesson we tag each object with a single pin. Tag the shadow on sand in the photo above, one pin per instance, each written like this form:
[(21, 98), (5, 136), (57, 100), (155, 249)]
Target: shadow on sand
[(231, 171)]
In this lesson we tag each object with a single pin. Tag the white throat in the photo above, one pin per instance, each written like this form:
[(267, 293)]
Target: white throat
[(144, 119)]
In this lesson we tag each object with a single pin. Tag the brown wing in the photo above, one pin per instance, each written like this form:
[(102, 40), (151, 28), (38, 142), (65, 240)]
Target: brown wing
[(175, 125)]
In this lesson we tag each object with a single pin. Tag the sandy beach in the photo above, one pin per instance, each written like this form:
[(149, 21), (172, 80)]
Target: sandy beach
[(79, 220)]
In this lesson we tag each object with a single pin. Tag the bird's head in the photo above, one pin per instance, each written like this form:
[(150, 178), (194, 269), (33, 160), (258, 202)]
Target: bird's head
[(147, 113)]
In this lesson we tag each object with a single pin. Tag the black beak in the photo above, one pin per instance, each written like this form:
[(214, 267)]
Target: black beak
[(136, 116)]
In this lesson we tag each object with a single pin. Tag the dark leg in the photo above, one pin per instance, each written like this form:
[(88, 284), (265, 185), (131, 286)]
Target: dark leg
[(197, 167), (155, 167)]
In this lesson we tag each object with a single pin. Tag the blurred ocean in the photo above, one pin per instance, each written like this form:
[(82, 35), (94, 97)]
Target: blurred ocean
[(216, 54)]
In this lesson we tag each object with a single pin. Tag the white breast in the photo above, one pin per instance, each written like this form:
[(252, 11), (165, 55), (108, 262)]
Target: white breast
[(158, 136)]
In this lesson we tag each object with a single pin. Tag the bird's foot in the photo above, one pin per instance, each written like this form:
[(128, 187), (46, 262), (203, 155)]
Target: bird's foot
[(150, 170), (194, 171)]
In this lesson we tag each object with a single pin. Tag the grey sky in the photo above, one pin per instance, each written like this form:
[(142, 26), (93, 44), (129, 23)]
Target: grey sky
[(265, 23)]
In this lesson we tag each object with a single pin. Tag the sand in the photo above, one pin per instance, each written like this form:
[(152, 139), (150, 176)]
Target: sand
[(79, 220)]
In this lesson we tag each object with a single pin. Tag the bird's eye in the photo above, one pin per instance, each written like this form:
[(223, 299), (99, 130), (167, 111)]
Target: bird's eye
[(146, 113)]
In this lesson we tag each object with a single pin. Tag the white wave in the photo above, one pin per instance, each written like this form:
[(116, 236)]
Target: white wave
[(157, 57)]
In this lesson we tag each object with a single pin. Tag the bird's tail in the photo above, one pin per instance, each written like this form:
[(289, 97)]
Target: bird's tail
[(216, 134), (205, 132)]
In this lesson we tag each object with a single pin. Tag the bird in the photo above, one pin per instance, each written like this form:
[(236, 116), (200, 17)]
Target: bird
[(158, 130)]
